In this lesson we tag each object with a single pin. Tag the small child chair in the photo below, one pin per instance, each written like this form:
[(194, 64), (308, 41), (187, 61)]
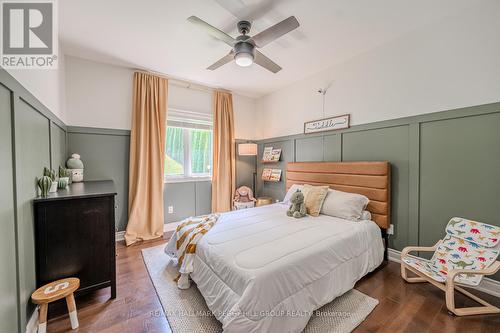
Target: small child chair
[(466, 254)]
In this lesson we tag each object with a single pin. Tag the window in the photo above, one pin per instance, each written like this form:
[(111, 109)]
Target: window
[(188, 151), (174, 152)]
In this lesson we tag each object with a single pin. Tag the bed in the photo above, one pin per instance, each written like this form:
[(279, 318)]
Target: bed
[(261, 271)]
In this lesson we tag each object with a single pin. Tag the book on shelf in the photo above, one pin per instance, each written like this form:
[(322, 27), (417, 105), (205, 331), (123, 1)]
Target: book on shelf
[(266, 174), (276, 154), (267, 154), (275, 175)]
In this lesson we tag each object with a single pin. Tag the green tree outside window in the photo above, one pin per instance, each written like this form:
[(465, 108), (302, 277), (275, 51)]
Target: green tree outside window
[(197, 142)]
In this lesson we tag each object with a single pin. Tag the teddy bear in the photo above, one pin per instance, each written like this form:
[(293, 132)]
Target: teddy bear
[(297, 208)]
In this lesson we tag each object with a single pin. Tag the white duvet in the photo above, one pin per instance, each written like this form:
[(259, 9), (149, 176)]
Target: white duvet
[(262, 271)]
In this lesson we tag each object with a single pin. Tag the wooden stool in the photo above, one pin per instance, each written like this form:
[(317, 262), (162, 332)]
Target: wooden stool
[(52, 292)]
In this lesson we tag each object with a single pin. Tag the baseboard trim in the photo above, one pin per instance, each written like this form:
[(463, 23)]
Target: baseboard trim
[(120, 235), (487, 285), (394, 255), (32, 325)]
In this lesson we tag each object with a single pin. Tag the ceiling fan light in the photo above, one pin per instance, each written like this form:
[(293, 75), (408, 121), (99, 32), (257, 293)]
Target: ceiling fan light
[(243, 59)]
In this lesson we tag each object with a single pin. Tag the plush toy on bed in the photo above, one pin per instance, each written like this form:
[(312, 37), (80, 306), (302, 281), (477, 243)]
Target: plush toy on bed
[(297, 208)]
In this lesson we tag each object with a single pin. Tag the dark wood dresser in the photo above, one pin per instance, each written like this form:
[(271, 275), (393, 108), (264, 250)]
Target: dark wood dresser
[(75, 236)]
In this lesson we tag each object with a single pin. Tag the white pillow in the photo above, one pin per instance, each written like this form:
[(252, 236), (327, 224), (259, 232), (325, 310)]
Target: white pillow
[(291, 191), (349, 206), (366, 216)]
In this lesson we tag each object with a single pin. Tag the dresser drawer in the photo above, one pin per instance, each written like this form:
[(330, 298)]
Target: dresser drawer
[(75, 237)]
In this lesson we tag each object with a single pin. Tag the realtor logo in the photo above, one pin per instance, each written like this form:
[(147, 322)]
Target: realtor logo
[(28, 34)]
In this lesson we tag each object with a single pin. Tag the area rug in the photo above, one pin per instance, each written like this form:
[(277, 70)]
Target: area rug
[(186, 310)]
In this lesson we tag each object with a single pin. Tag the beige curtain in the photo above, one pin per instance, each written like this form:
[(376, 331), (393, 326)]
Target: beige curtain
[(223, 178), (147, 156)]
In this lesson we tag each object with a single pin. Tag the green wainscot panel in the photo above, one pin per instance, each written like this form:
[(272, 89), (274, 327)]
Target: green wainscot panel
[(245, 168), (309, 149), (270, 189), (8, 286), (181, 196), (203, 197), (58, 146), (459, 173), (386, 144), (32, 154), (332, 147), (105, 157)]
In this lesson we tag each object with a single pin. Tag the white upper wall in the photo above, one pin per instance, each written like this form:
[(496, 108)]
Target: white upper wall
[(449, 64), (100, 95), (245, 118), (47, 85)]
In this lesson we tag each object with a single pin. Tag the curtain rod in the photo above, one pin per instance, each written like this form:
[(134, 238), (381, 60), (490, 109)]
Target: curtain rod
[(181, 83)]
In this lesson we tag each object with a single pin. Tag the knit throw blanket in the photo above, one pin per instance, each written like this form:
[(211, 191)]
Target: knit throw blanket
[(188, 234)]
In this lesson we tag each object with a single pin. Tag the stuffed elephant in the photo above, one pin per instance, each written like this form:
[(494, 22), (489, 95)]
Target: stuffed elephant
[(297, 208)]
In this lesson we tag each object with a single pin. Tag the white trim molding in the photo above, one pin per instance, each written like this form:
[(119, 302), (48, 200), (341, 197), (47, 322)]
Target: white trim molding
[(487, 285), (32, 325), (394, 255), (120, 235), (186, 179)]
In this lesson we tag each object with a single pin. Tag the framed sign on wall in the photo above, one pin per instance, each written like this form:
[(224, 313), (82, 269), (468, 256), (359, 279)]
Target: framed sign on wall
[(327, 124)]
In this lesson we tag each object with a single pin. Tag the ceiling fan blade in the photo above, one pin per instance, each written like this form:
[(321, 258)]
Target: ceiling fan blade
[(222, 61), (265, 62), (276, 31), (213, 31)]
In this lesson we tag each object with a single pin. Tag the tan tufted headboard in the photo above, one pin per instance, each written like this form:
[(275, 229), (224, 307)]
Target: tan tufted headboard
[(372, 179)]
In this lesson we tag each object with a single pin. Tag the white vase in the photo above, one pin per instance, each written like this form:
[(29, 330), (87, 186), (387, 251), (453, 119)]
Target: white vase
[(53, 187), (77, 175)]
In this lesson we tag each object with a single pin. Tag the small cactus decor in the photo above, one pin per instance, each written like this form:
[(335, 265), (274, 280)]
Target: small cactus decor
[(49, 173), (65, 173), (52, 175), (44, 183), (62, 183)]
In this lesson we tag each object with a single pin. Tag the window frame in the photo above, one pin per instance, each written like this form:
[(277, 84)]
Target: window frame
[(188, 176)]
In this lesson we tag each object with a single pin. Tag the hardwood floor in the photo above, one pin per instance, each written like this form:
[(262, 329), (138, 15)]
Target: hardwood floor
[(403, 307), (417, 307), (135, 309)]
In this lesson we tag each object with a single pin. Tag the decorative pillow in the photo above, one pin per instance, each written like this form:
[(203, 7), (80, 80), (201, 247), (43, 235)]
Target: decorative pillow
[(365, 216), (349, 206), (291, 191), (314, 197)]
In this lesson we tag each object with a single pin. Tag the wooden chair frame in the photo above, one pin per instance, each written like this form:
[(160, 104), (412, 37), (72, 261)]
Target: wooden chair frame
[(450, 285)]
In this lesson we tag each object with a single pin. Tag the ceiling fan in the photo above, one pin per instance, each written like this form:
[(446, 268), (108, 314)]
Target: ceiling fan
[(244, 48)]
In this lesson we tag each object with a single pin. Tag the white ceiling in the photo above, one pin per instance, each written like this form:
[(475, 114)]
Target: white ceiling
[(154, 34)]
